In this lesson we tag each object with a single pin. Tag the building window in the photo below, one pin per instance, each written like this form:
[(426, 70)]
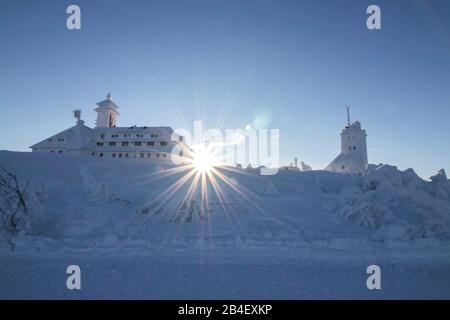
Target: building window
[(120, 155), (163, 143), (114, 136), (52, 151), (180, 153), (157, 155), (354, 147), (102, 136), (126, 155), (151, 143), (112, 143), (180, 139), (100, 144), (142, 155), (149, 155), (93, 153), (60, 151), (164, 155), (124, 143), (137, 143), (113, 155), (349, 148), (101, 154), (49, 140), (60, 140)]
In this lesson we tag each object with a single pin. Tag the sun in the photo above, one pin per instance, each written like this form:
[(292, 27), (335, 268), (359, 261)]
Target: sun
[(203, 160)]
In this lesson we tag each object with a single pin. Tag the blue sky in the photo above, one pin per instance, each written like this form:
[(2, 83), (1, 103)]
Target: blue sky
[(294, 63)]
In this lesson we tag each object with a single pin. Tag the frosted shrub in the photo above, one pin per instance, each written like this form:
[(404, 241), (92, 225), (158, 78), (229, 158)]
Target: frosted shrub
[(389, 199), (14, 213)]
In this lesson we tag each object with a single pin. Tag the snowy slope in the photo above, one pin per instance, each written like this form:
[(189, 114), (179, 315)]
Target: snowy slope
[(100, 212)]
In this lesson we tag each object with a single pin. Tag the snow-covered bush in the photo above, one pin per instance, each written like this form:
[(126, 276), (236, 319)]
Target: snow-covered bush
[(390, 199), (14, 213)]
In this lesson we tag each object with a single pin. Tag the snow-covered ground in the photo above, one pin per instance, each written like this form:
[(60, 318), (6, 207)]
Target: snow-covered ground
[(137, 232)]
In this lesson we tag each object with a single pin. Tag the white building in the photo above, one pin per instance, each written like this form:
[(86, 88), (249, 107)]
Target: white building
[(107, 140), (353, 157)]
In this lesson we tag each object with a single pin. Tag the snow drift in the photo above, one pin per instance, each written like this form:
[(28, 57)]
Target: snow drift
[(86, 202)]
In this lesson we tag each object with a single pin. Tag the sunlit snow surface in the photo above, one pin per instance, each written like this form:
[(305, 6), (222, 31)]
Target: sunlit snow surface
[(142, 229)]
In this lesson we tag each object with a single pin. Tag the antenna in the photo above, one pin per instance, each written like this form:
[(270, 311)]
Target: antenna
[(348, 115), (77, 114)]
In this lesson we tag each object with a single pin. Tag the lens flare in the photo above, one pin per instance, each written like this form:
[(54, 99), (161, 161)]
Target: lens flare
[(203, 187), (203, 160)]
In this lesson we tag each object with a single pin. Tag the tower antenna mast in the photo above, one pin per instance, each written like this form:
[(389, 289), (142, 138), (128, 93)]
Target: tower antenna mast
[(348, 115)]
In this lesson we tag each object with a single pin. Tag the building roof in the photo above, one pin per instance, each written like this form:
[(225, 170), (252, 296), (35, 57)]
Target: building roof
[(143, 129), (76, 137), (107, 103)]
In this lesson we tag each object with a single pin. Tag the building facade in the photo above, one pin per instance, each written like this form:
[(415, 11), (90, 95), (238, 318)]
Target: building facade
[(107, 140), (353, 156)]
